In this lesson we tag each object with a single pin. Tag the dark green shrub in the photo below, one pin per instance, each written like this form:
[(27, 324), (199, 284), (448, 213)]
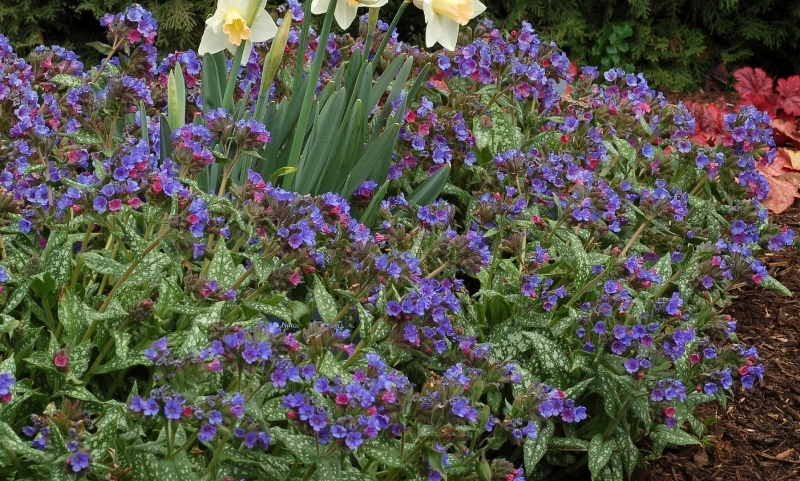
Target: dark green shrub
[(674, 42)]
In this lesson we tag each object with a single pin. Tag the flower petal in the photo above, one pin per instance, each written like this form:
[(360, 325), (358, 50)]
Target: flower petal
[(477, 8), (212, 42), (248, 47), (263, 28), (345, 13), (448, 36), (318, 7)]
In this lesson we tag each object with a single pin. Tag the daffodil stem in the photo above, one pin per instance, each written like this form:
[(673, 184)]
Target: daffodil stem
[(227, 99), (308, 97), (385, 41), (301, 52), (371, 24)]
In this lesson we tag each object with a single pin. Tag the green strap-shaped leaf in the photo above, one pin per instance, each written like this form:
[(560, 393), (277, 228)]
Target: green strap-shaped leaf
[(429, 191)]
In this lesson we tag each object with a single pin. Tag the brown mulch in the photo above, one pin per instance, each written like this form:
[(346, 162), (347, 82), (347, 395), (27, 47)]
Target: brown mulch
[(758, 436)]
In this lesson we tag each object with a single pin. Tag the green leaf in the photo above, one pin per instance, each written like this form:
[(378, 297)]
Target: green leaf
[(102, 264), (662, 436), (67, 80), (374, 164), (13, 443), (327, 131), (176, 98), (73, 316), (372, 208), (387, 451), (213, 75), (222, 268), (599, 454), (435, 459), (429, 191), (325, 303), (497, 132), (772, 284), (508, 342), (535, 449)]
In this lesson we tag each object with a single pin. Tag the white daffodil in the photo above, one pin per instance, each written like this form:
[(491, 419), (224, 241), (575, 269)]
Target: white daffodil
[(445, 16), (234, 22), (345, 11)]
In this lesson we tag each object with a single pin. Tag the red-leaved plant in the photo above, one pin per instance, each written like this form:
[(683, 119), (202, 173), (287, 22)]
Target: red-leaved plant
[(756, 88)]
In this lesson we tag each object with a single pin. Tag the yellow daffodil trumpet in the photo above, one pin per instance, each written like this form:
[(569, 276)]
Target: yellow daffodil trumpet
[(234, 22)]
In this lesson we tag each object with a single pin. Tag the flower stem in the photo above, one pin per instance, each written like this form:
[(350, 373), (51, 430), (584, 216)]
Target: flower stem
[(385, 41), (217, 455), (227, 98)]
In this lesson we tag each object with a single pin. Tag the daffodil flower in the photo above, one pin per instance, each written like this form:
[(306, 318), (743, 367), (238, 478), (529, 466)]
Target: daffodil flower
[(444, 17), (345, 11), (234, 22)]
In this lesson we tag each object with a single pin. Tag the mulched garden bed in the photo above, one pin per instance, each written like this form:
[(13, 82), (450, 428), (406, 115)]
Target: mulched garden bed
[(758, 436)]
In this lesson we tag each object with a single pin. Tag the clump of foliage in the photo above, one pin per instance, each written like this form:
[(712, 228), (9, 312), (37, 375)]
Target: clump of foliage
[(531, 280)]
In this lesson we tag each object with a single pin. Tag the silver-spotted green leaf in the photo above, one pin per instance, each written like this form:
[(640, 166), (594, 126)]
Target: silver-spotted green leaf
[(58, 261), (222, 268), (629, 453), (599, 454), (105, 438), (535, 449), (576, 390), (79, 359), (261, 464), (264, 267), (508, 342), (280, 312), (662, 437), (102, 264), (626, 151), (326, 305), (67, 80), (772, 284), (387, 451), (13, 443), (17, 296), (147, 467), (73, 316), (496, 132), (551, 358), (331, 368), (301, 447), (328, 468), (605, 386), (212, 315), (272, 411), (569, 443)]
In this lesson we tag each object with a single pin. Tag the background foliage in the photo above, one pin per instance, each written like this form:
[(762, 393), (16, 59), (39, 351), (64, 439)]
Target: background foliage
[(674, 42)]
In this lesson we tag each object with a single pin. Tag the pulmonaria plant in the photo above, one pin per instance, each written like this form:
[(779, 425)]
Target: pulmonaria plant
[(514, 265)]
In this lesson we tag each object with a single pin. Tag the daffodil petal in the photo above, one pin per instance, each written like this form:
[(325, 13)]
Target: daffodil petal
[(264, 28), (215, 22), (449, 33), (477, 8), (318, 7), (433, 31), (345, 13), (212, 42), (248, 47)]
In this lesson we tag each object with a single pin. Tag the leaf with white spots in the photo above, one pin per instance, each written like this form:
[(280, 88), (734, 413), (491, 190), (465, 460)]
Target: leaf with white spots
[(535, 449), (599, 454), (222, 268), (326, 305)]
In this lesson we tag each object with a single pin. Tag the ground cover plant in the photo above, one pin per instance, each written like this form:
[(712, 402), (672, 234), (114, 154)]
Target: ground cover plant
[(353, 259)]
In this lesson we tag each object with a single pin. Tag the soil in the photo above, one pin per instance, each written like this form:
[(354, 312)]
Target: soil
[(758, 436)]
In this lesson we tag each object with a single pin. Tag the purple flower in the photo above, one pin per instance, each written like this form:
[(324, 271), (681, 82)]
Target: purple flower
[(79, 462), (207, 433), (353, 440), (172, 409)]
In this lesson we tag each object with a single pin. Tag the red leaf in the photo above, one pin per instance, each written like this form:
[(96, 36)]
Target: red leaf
[(782, 186), (790, 92), (752, 82), (760, 102), (708, 120)]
